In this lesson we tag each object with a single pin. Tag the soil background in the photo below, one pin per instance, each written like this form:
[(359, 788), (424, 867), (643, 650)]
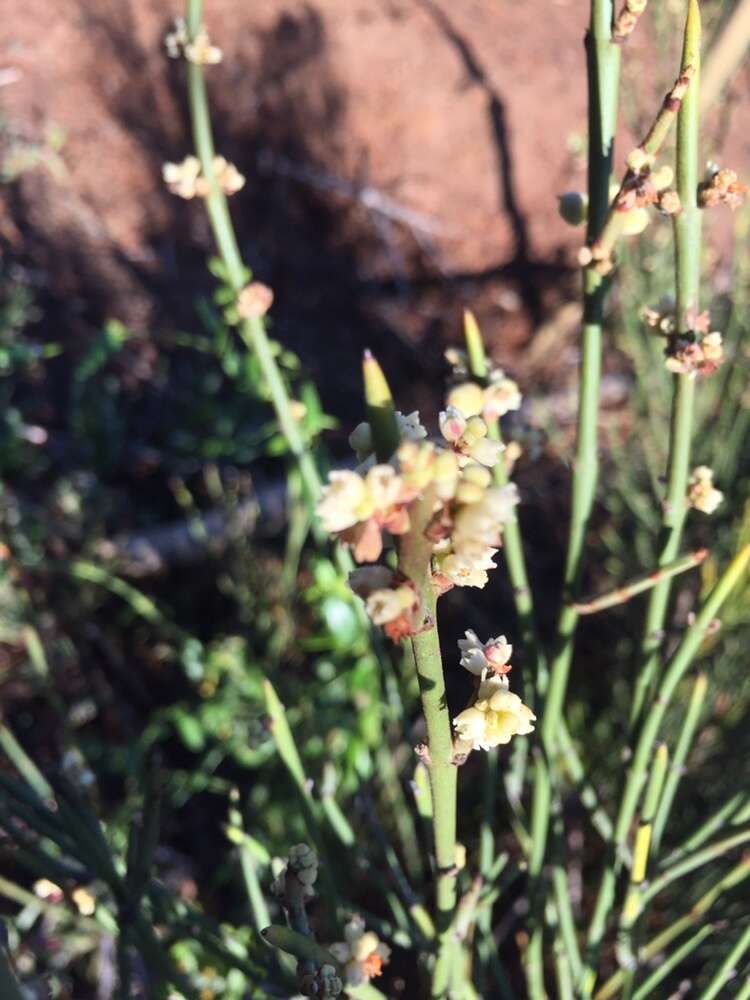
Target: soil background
[(403, 159)]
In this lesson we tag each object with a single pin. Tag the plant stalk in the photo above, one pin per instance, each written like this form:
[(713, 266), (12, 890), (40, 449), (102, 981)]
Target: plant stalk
[(687, 230), (414, 561)]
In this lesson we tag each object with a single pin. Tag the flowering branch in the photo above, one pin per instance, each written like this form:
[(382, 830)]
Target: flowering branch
[(687, 263)]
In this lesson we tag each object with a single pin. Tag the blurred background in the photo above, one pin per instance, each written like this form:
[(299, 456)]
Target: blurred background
[(403, 161)]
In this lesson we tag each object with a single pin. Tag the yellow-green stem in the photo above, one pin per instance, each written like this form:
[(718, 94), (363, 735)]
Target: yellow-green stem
[(252, 330), (603, 62), (687, 228), (414, 561)]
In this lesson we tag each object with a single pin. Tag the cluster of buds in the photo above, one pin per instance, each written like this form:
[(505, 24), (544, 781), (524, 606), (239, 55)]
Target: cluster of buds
[(323, 982), (697, 351), (254, 300), (357, 507), (197, 50), (295, 883), (498, 396), (50, 892), (464, 516), (644, 186), (702, 494), (721, 187), (627, 19), (186, 179), (496, 714), (362, 953)]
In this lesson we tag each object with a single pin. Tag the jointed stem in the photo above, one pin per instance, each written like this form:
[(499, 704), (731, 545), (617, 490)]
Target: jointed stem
[(687, 267), (603, 58), (252, 330), (414, 562)]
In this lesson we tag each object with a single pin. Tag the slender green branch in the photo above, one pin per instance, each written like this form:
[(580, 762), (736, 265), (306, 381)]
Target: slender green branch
[(603, 61), (251, 330), (684, 742), (673, 673), (415, 563), (657, 945), (621, 595), (728, 967), (687, 225), (669, 964), (693, 861), (633, 906), (733, 811)]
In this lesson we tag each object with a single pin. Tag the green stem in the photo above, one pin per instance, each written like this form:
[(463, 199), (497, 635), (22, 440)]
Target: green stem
[(726, 970), (687, 224), (641, 583), (684, 742), (252, 330), (733, 811), (670, 963), (673, 673), (695, 914), (414, 561), (603, 61)]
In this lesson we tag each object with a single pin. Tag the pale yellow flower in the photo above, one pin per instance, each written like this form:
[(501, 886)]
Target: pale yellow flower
[(228, 177), (386, 605), (500, 397), (344, 502), (84, 901), (484, 657), (482, 522), (469, 438), (495, 717), (182, 178), (201, 52), (362, 954), (45, 889), (254, 300), (466, 567), (467, 397), (410, 427), (702, 493)]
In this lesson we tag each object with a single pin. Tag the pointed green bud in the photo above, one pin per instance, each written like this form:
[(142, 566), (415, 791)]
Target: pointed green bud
[(381, 414), (474, 345)]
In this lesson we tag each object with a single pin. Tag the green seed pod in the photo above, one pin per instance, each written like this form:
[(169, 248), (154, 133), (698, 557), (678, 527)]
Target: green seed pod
[(573, 206)]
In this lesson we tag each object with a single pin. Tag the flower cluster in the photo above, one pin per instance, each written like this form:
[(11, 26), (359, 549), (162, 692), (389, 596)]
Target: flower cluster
[(702, 494), (449, 480), (491, 657), (254, 300), (642, 185), (362, 953), (358, 508), (299, 875), (186, 179), (722, 187), (199, 51), (627, 19), (496, 714), (390, 600), (697, 351), (491, 401)]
